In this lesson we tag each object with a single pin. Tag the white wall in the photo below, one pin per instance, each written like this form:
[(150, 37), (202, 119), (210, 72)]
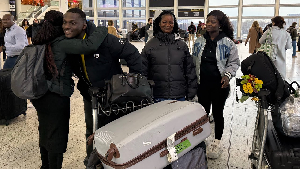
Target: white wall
[(4, 7)]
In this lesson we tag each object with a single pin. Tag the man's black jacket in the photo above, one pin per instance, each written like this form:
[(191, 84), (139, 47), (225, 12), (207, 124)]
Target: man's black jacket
[(104, 63)]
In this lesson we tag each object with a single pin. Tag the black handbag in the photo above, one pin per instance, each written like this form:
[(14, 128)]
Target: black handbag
[(124, 88)]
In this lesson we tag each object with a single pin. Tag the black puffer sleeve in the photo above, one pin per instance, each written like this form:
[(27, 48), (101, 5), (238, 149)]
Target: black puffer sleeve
[(125, 51), (190, 74)]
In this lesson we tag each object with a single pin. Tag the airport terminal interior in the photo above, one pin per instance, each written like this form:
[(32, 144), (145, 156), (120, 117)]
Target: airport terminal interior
[(19, 140)]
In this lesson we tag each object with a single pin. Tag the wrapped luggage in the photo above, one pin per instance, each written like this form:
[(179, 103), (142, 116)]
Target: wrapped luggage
[(152, 137)]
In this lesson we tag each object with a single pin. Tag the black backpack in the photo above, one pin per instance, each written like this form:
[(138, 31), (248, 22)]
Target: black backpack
[(260, 65)]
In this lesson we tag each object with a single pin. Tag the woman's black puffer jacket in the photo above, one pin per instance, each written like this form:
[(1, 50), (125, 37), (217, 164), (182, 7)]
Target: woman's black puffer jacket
[(169, 64)]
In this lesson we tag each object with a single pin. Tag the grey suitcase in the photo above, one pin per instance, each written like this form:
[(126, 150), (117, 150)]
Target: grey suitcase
[(152, 137)]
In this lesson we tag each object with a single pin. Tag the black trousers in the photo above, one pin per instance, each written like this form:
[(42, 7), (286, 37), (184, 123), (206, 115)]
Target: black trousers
[(215, 97), (53, 113)]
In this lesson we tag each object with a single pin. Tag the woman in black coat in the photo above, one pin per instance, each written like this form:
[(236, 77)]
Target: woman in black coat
[(168, 62)]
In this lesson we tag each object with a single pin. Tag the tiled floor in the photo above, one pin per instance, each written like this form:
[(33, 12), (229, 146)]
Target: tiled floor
[(19, 140)]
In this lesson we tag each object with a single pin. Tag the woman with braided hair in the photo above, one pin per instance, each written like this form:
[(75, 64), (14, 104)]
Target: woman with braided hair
[(53, 109)]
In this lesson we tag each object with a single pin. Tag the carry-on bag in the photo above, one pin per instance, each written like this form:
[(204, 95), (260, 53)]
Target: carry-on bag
[(10, 105), (282, 152), (152, 137)]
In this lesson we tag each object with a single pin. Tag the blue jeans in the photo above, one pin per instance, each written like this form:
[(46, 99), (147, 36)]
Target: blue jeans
[(10, 62), (156, 100), (294, 43)]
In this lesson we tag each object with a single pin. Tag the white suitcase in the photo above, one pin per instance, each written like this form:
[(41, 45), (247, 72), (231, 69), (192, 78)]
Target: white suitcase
[(146, 138)]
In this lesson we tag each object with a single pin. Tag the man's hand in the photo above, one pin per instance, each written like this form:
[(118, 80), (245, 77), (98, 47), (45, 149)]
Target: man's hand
[(1, 49), (225, 82)]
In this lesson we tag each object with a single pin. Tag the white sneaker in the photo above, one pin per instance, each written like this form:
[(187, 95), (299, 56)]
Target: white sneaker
[(214, 149)]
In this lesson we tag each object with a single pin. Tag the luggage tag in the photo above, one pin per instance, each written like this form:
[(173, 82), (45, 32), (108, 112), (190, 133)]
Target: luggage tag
[(172, 156)]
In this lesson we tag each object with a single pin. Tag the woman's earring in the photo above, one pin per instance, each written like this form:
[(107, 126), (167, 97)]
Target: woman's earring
[(220, 29)]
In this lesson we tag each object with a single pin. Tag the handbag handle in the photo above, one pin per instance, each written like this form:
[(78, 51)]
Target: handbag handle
[(137, 82)]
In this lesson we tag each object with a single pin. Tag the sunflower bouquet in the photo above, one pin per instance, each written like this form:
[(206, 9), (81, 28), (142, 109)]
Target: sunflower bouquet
[(250, 85)]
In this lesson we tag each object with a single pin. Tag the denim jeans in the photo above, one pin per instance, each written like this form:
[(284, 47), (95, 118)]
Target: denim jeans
[(294, 43), (10, 62)]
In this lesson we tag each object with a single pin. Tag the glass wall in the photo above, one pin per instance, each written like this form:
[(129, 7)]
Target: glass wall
[(250, 2), (185, 23), (258, 11), (107, 3), (134, 13), (134, 3), (289, 2), (223, 2), (231, 12), (108, 13), (247, 23)]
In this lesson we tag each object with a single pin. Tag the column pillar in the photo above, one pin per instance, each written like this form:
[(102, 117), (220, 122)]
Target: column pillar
[(18, 7), (121, 14), (63, 6), (147, 11), (205, 10), (176, 8), (239, 21), (95, 12), (276, 12)]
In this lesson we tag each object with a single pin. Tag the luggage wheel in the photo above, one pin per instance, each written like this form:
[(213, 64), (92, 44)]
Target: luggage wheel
[(6, 122)]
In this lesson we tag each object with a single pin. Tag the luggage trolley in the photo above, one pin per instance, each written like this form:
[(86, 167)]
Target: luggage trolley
[(100, 109), (260, 131)]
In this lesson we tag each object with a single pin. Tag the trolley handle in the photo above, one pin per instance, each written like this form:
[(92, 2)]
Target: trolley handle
[(262, 94)]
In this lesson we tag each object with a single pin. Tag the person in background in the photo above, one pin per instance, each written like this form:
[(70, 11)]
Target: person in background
[(168, 62), (282, 41), (111, 29), (30, 29), (253, 36), (217, 60), (53, 108), (2, 33), (15, 40), (192, 30), (25, 24), (149, 24), (203, 29), (199, 28), (293, 32), (267, 27)]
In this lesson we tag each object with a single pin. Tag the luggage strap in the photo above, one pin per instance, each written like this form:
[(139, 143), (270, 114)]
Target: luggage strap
[(114, 152)]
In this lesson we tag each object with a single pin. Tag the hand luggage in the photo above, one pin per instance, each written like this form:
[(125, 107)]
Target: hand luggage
[(152, 137), (282, 151), (10, 105)]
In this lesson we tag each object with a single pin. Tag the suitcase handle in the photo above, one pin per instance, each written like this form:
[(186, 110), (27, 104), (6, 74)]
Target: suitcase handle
[(112, 152)]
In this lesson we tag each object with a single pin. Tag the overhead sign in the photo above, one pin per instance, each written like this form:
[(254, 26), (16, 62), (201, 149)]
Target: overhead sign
[(190, 13), (161, 3), (191, 2)]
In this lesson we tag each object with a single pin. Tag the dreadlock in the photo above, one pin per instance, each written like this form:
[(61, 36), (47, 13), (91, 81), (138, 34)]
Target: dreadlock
[(51, 29), (224, 22), (156, 27)]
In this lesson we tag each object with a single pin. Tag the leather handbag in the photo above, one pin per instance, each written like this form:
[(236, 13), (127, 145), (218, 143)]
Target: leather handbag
[(131, 87)]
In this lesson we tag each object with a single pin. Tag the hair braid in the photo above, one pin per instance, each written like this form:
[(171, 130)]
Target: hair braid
[(51, 29)]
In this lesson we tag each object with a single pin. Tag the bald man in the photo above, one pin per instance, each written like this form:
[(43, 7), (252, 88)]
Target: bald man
[(15, 40)]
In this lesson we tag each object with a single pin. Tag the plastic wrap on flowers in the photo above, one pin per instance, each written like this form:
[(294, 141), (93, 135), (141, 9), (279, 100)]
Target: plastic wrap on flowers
[(290, 115)]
